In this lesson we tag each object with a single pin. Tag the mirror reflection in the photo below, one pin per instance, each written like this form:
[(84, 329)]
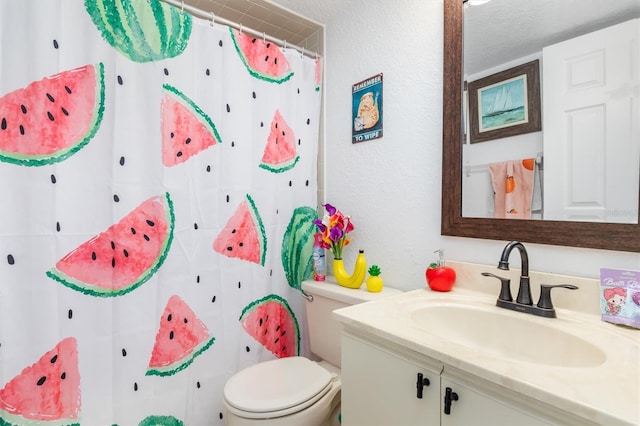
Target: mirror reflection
[(552, 116)]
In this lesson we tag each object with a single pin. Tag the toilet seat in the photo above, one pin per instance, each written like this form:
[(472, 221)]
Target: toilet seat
[(277, 388)]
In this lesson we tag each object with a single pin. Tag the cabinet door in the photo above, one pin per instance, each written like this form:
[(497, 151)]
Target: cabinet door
[(380, 387), (475, 408)]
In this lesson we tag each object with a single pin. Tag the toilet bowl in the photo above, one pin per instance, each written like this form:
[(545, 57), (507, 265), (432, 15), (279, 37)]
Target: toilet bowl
[(296, 390), (305, 393)]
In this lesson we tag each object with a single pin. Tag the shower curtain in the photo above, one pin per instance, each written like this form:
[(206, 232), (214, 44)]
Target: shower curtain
[(157, 191)]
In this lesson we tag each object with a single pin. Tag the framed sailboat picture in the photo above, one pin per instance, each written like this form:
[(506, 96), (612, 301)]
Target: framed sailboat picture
[(505, 104)]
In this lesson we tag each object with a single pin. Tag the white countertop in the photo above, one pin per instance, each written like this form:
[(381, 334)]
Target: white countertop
[(608, 393)]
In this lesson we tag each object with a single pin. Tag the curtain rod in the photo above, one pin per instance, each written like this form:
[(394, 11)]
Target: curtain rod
[(212, 17)]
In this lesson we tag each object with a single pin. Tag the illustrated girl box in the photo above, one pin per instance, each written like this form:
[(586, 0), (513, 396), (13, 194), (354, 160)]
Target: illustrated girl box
[(620, 296)]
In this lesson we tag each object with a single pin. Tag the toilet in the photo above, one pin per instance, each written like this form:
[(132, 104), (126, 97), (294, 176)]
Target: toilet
[(306, 392)]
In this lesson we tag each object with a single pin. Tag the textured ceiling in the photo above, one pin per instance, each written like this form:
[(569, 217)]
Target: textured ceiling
[(495, 33), (262, 16), (503, 30)]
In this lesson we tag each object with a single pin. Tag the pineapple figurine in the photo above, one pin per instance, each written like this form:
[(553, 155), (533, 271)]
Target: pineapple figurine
[(374, 282)]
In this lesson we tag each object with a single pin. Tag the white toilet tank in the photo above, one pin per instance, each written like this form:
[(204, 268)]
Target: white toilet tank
[(324, 331)]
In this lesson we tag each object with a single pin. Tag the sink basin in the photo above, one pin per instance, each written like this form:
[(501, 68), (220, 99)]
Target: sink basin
[(489, 330)]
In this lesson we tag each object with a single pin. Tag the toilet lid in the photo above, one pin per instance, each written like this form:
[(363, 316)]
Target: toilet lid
[(276, 385)]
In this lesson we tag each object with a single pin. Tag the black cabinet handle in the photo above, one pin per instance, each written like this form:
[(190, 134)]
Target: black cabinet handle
[(449, 396), (420, 384)]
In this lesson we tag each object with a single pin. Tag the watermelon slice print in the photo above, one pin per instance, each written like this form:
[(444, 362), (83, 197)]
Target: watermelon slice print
[(271, 322), (263, 59), (280, 152), (141, 30), (244, 235), (123, 257), (161, 421), (186, 129), (53, 118), (47, 392), (180, 339), (297, 246)]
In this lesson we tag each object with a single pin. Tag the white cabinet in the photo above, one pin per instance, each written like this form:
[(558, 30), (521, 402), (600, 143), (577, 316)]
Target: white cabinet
[(380, 387), (469, 406)]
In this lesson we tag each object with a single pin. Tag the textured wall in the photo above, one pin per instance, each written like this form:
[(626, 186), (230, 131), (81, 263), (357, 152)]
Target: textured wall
[(391, 186), (383, 183)]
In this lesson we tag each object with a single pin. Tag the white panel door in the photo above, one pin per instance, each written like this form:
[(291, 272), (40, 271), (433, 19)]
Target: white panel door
[(591, 123)]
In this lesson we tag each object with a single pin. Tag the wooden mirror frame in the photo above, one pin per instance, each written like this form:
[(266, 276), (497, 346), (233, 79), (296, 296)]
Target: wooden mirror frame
[(608, 236)]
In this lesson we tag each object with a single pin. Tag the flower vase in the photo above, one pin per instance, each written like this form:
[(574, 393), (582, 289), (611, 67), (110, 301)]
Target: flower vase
[(355, 279)]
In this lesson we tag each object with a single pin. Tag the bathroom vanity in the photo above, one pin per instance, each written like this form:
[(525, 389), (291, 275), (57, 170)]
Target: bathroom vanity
[(381, 386), (429, 358)]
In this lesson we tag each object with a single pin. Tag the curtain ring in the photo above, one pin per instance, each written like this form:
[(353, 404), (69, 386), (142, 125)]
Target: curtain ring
[(285, 44), (264, 37), (302, 53), (182, 6), (213, 18), (240, 28)]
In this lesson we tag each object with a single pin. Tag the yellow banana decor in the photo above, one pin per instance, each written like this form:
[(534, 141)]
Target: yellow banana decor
[(354, 280)]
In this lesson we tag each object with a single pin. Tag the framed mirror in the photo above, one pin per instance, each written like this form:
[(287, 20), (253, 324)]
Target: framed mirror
[(608, 236)]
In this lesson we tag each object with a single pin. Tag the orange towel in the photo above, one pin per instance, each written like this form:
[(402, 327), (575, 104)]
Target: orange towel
[(513, 188)]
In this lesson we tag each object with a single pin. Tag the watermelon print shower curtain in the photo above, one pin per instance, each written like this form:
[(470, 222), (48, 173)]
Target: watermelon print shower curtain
[(157, 188)]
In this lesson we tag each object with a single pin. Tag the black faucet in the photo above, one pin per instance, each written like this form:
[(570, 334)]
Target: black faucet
[(524, 291), (524, 302)]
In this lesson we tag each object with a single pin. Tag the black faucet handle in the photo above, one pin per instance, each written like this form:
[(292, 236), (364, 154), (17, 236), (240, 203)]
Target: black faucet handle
[(545, 294), (505, 287)]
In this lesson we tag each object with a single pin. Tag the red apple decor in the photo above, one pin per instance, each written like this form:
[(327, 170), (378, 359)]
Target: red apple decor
[(439, 276)]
